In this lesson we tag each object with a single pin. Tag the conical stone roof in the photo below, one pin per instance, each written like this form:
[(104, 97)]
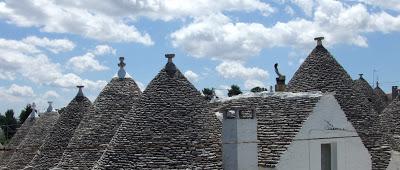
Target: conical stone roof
[(171, 128), (55, 143), (362, 87), (391, 116), (97, 129), (321, 72), (15, 141), (33, 140), (381, 95)]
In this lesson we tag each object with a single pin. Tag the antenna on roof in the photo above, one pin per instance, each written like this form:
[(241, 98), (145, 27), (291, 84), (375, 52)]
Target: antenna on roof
[(319, 40), (80, 93), (170, 67), (121, 71), (50, 108)]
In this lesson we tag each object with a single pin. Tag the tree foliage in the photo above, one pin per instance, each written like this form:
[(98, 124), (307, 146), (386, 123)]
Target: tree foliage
[(235, 90), (25, 113), (9, 123), (258, 89), (209, 94)]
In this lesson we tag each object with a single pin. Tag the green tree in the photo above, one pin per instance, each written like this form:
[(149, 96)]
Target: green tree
[(258, 89), (209, 94), (235, 90), (9, 124), (25, 113)]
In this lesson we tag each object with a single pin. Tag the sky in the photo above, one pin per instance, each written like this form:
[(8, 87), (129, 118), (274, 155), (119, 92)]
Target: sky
[(47, 47)]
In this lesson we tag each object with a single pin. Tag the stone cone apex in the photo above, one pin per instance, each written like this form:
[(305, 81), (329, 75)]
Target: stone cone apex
[(50, 108), (33, 113), (170, 67), (121, 71), (50, 152), (321, 72), (80, 92), (381, 95), (98, 127), (33, 140), (362, 87), (171, 128)]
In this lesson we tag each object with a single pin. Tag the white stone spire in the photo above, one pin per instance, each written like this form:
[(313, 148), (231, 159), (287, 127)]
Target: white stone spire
[(121, 71), (33, 113)]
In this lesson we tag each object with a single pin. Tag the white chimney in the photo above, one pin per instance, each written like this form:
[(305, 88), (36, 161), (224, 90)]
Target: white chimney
[(239, 139)]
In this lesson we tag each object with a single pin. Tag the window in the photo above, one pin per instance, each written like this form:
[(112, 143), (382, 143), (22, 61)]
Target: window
[(328, 156)]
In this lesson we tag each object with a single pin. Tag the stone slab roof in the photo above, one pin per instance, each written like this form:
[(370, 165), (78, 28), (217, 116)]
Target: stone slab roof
[(321, 72), (362, 87), (171, 128), (15, 141), (382, 96), (50, 152), (97, 128), (391, 116), (280, 117), (33, 140)]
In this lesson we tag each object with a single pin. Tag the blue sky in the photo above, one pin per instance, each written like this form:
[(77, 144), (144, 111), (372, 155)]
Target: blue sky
[(49, 47)]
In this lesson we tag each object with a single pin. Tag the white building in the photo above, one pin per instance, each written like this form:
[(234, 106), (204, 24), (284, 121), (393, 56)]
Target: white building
[(295, 131)]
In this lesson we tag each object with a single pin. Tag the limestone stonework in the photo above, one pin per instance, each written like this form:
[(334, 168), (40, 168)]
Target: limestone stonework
[(15, 141), (321, 72), (171, 128), (96, 129), (33, 140), (279, 119), (50, 152), (391, 116)]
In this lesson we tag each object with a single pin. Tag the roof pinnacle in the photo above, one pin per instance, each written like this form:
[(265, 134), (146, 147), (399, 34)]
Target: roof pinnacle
[(50, 108), (319, 40), (121, 71), (80, 93)]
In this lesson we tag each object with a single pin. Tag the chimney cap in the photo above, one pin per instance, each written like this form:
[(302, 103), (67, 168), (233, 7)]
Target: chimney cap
[(361, 75), (80, 93), (319, 40), (170, 57)]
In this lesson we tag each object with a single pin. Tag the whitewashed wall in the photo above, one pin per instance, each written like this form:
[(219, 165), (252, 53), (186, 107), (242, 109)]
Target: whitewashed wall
[(394, 161), (305, 154)]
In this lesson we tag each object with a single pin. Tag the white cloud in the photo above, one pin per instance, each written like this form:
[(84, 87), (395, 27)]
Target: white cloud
[(112, 20), (71, 80), (86, 62), (20, 91), (17, 59), (104, 49), (305, 5), (253, 76), (251, 83), (386, 4), (231, 69), (52, 17), (55, 46), (50, 94), (218, 37), (191, 76)]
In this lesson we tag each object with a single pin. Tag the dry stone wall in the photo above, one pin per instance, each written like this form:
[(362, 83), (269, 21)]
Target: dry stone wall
[(171, 128), (97, 128)]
